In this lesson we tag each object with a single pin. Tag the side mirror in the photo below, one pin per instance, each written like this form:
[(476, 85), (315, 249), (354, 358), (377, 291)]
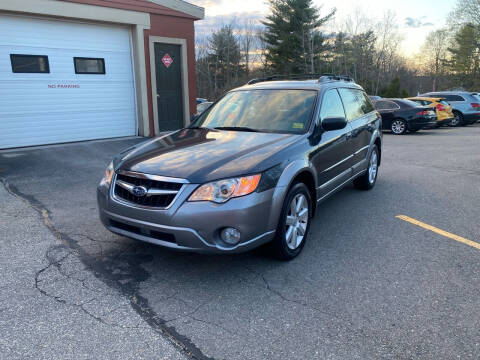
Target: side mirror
[(334, 123)]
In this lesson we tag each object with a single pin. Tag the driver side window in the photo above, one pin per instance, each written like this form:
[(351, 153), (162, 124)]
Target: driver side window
[(332, 105)]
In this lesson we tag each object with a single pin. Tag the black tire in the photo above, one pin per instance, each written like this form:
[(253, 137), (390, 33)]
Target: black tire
[(398, 127), (457, 120), (279, 247), (367, 181)]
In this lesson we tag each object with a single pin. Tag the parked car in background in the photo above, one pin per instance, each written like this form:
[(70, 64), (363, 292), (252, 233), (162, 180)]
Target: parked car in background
[(444, 109), (201, 100), (203, 106), (466, 106), (400, 115), (374, 97), (252, 169), (200, 109)]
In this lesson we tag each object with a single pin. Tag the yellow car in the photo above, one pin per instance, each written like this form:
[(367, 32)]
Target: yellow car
[(443, 108)]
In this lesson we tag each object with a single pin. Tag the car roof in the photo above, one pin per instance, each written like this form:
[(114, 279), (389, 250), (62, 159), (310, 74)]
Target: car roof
[(300, 85), (449, 92), (425, 98)]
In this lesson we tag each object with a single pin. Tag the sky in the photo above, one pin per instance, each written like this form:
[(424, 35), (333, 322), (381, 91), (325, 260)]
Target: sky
[(415, 18)]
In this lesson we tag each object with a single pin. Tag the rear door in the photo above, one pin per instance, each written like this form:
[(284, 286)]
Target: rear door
[(362, 117), (331, 155)]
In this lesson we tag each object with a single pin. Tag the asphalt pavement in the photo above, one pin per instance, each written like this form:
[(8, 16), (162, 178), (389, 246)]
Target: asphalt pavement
[(368, 285)]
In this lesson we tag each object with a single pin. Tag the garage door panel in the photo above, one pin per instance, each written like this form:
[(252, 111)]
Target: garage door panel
[(62, 106), (68, 128)]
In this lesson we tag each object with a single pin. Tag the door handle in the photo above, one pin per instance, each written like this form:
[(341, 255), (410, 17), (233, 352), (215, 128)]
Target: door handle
[(349, 135)]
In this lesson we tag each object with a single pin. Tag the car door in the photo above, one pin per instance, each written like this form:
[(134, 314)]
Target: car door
[(331, 153), (362, 117)]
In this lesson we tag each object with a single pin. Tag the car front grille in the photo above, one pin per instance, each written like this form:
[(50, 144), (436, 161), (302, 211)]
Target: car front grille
[(159, 194)]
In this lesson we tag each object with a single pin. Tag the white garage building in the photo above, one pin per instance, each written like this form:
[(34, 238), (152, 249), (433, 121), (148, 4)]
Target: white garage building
[(85, 69), (75, 97)]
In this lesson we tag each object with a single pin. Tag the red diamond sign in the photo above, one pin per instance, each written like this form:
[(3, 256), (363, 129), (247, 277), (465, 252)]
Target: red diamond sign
[(167, 60)]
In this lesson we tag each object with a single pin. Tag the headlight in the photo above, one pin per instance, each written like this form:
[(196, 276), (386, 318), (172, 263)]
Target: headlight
[(224, 190), (107, 178)]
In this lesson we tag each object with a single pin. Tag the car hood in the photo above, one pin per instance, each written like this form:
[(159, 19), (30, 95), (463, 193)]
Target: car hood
[(201, 155)]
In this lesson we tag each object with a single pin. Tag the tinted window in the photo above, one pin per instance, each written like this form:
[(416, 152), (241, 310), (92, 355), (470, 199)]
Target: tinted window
[(367, 105), (29, 63), (386, 105), (353, 101), (285, 111), (89, 65), (448, 97), (332, 105), (407, 103)]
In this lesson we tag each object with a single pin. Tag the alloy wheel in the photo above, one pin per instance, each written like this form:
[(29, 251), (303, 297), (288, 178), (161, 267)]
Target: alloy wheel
[(456, 120), (373, 167), (297, 221), (398, 127)]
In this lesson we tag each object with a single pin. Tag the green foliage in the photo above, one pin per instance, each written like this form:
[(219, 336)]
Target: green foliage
[(293, 42), (465, 55), (394, 90)]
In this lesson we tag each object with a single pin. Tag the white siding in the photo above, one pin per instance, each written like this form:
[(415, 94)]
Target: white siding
[(103, 106)]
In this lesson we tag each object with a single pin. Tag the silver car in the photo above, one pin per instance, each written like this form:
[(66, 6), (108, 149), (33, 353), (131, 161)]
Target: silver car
[(466, 106), (251, 169)]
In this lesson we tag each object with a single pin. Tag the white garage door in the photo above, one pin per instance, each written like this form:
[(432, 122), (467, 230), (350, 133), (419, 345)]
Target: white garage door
[(76, 84)]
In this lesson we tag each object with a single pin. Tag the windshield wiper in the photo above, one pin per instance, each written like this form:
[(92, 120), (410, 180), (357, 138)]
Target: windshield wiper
[(236, 128)]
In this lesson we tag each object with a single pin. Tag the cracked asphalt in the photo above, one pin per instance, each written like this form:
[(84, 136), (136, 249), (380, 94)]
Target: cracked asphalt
[(367, 285)]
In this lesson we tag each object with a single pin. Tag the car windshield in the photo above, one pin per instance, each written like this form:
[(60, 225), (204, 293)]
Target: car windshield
[(283, 111)]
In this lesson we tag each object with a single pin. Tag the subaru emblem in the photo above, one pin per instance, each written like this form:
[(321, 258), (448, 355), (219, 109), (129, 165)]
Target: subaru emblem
[(139, 191)]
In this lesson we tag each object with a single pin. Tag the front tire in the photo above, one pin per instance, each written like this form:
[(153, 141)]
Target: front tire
[(368, 180), (398, 126), (294, 223)]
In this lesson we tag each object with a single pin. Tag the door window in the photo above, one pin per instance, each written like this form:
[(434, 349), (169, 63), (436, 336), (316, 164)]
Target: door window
[(332, 106), (355, 103)]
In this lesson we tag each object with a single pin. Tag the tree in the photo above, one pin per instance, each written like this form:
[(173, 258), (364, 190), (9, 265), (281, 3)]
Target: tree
[(394, 90), (434, 53), (292, 37), (465, 52)]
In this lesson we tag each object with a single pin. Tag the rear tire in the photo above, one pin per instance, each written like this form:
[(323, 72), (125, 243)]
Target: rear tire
[(368, 180), (398, 126), (294, 223), (457, 120)]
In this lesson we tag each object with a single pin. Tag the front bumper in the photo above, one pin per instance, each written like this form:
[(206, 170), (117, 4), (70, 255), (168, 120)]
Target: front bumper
[(192, 226)]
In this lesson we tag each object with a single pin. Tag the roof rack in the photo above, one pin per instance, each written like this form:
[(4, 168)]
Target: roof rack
[(320, 77), (333, 77), (285, 77)]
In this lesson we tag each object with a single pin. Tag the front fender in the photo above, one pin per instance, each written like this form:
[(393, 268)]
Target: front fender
[(291, 171)]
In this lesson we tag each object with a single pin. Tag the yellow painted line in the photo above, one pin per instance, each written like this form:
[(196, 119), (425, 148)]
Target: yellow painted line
[(439, 231)]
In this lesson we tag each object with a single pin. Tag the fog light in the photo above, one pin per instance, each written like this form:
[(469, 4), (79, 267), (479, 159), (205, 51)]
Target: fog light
[(230, 236)]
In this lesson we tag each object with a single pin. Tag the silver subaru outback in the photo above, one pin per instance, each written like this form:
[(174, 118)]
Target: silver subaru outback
[(250, 170)]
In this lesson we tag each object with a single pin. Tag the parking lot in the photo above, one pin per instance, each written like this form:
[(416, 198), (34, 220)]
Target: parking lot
[(367, 285)]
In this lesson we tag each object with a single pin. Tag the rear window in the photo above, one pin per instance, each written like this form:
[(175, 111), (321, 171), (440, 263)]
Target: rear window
[(408, 103), (386, 105), (453, 98)]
